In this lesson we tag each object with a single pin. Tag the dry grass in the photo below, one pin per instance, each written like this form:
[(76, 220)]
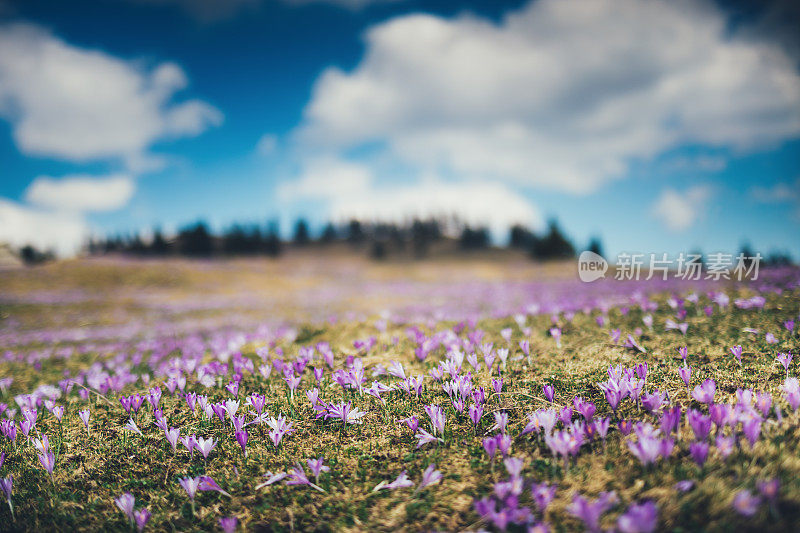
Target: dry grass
[(94, 468)]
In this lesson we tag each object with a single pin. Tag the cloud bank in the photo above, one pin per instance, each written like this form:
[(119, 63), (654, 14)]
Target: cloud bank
[(83, 105), (680, 210), (80, 105), (562, 95), (81, 193)]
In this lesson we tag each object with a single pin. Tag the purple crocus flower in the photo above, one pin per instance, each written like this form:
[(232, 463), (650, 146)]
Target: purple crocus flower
[(752, 430), (500, 421), (136, 402), (429, 477), (219, 410), (190, 442), (173, 435), (400, 482), (7, 485), (126, 403), (704, 393), (131, 426), (346, 413), (700, 423), (230, 407), (141, 517), (207, 484), (737, 352), (48, 461), (9, 429), (686, 374), (204, 446), (26, 426), (683, 351), (564, 444), (699, 452), (769, 489), (423, 437), (257, 402), (791, 390), (653, 402), (228, 523), (549, 392), (786, 360), (639, 518), (542, 495), (272, 478), (190, 485), (125, 502), (556, 334), (630, 342), (293, 382), (612, 393), (647, 449), (601, 425), (436, 414), (475, 414), (725, 445), (490, 445), (670, 419), (589, 512), (565, 416), (317, 467), (503, 443), (497, 385), (154, 396), (241, 437), (721, 414), (412, 422), (745, 503), (763, 402), (313, 396), (584, 408)]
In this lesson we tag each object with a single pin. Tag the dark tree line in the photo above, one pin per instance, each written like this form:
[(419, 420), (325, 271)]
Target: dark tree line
[(414, 238), (552, 244), (197, 240)]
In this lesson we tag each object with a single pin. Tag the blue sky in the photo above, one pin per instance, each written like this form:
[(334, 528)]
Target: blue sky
[(660, 126)]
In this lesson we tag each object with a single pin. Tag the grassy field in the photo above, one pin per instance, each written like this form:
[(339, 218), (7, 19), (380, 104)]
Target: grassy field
[(128, 310)]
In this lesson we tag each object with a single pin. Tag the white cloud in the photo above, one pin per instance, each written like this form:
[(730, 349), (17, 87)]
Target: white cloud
[(351, 191), (561, 94), (778, 193), (267, 144), (62, 232), (83, 105), (81, 192), (679, 211), (700, 163)]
